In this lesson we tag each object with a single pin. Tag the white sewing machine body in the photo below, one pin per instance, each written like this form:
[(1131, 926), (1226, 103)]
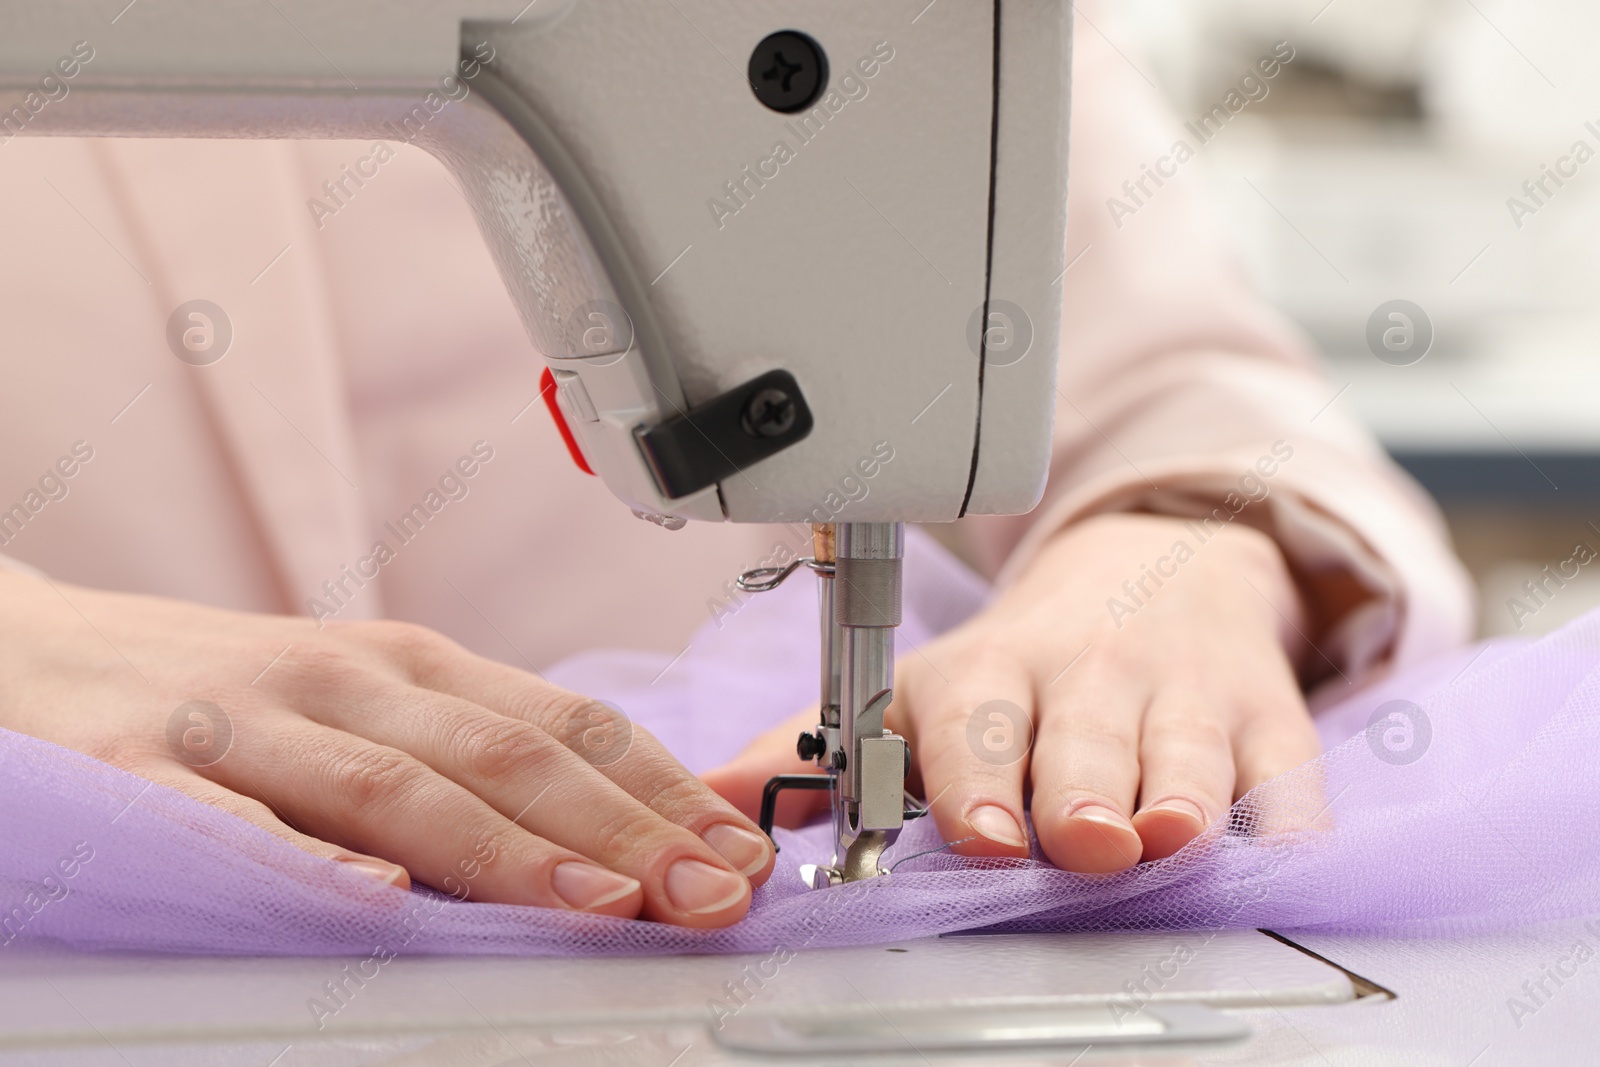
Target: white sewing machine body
[(666, 236)]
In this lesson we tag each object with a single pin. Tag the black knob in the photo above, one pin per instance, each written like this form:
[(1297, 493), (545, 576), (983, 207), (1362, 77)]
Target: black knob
[(788, 71), (811, 746)]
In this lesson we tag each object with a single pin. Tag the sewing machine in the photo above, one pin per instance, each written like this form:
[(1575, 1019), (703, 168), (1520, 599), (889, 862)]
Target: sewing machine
[(707, 243)]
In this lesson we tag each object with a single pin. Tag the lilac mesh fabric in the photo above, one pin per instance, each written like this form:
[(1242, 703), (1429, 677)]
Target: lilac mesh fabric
[(1475, 810)]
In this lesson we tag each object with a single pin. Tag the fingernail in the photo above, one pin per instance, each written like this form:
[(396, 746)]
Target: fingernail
[(745, 849), (586, 886), (699, 888), (1098, 813), (387, 873), (996, 824), (1186, 808)]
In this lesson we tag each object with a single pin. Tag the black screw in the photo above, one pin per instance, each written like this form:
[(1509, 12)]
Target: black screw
[(839, 761), (788, 71), (770, 413), (811, 746)]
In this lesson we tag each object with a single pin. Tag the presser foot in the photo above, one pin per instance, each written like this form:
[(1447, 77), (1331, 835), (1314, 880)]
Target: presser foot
[(860, 862), (861, 858)]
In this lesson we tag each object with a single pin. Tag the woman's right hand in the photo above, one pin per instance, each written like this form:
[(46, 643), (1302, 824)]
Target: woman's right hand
[(382, 745)]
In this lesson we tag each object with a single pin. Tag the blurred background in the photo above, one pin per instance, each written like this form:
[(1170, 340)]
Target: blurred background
[(1382, 165)]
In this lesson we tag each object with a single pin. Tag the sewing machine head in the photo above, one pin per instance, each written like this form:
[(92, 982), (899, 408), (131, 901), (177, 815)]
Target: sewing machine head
[(759, 244)]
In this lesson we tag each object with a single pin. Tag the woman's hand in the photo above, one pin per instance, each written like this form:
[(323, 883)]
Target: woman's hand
[(382, 745), (1134, 688)]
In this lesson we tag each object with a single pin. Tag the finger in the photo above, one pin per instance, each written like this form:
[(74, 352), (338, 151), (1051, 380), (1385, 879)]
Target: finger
[(381, 801), (628, 755), (741, 780), (1291, 804), (1275, 740), (1186, 761), (650, 774), (253, 811), (1086, 767), (1273, 736), (971, 732), (532, 779)]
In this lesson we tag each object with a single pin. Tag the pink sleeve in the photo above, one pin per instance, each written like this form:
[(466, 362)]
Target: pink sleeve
[(1178, 384)]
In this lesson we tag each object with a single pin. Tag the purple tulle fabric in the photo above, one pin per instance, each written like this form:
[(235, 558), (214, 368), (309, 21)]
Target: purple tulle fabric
[(1472, 807)]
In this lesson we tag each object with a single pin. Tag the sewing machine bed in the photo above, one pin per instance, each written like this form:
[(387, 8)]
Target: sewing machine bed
[(1240, 998), (934, 997)]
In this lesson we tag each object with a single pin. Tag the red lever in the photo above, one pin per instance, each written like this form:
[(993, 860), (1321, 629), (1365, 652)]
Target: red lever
[(547, 389)]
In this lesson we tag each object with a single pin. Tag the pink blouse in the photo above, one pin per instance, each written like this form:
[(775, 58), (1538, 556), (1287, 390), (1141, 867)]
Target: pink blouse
[(376, 364)]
